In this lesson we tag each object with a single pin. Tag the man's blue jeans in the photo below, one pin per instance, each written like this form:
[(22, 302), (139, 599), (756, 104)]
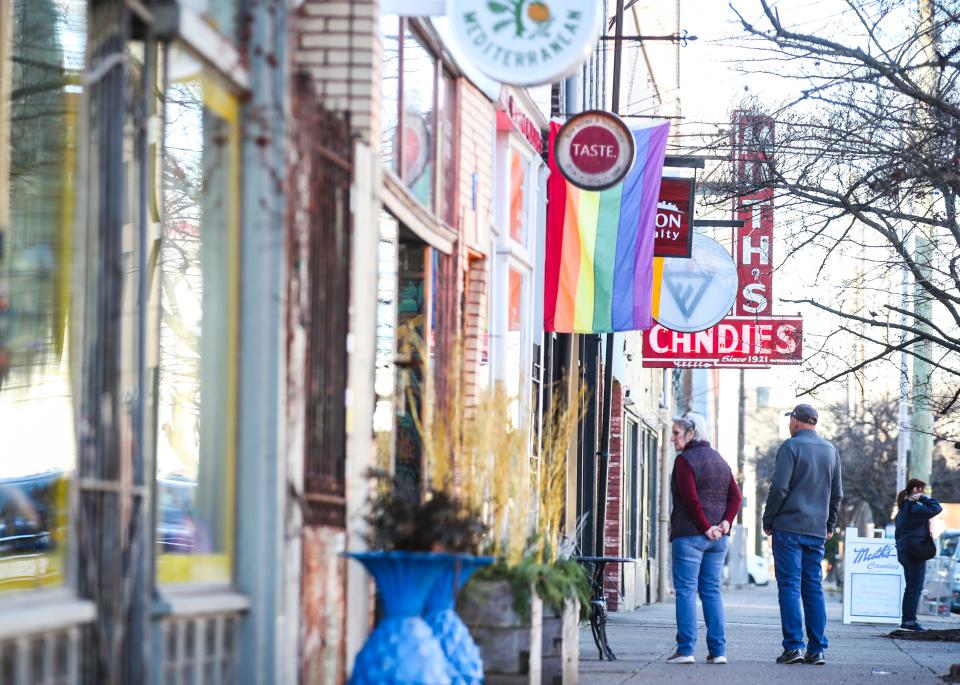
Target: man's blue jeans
[(698, 566), (797, 562)]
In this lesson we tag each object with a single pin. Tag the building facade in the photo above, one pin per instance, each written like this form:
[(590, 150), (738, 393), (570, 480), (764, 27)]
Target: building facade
[(226, 231)]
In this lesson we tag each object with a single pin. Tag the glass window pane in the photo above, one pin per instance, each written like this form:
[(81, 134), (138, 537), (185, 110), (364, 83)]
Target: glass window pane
[(514, 337), (197, 384), (448, 175), (413, 258), (390, 90), (419, 120), (518, 177), (42, 46)]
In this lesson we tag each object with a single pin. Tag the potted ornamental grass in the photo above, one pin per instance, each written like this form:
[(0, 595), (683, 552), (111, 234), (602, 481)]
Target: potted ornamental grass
[(524, 609)]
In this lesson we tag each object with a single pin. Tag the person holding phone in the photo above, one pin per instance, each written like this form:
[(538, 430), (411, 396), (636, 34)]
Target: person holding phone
[(914, 546)]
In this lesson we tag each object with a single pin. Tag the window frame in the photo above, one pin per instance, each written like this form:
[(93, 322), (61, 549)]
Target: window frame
[(443, 67)]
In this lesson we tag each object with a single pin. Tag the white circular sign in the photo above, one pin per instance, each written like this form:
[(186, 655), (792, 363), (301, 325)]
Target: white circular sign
[(526, 42), (696, 293)]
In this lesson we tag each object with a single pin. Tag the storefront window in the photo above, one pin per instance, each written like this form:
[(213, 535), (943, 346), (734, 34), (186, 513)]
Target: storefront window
[(518, 178), (448, 128), (418, 152), (196, 409), (412, 335), (390, 90), (515, 371), (42, 46)]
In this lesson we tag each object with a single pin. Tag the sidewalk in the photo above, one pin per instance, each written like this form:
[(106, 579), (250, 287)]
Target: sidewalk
[(642, 639)]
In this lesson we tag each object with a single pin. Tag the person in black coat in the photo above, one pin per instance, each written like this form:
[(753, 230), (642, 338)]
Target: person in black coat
[(913, 526)]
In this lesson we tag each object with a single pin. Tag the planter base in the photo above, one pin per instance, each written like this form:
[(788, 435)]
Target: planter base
[(458, 645), (401, 650)]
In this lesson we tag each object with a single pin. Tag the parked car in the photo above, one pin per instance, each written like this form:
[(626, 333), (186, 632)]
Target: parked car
[(758, 569), (950, 547)]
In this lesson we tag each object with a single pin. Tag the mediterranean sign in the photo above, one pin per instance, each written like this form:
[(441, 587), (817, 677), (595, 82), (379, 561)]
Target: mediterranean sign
[(740, 342), (594, 150), (872, 579), (694, 294), (674, 237), (526, 42)]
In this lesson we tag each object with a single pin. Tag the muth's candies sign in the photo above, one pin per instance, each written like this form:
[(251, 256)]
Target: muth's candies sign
[(875, 557), (872, 579), (526, 42)]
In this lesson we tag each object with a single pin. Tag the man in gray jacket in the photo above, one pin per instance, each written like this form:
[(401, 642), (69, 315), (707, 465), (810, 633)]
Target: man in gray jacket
[(801, 513)]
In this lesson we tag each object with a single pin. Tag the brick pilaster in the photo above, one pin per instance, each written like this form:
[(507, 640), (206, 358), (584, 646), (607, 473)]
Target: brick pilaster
[(337, 42), (612, 532)]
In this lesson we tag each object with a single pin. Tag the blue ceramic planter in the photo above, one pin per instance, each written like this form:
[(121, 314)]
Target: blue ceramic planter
[(455, 639), (403, 650)]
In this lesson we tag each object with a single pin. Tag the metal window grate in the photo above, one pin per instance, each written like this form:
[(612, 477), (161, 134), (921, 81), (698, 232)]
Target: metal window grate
[(200, 650), (50, 658), (324, 163)]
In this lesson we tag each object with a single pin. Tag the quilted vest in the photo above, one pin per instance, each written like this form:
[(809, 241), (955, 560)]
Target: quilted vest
[(712, 477)]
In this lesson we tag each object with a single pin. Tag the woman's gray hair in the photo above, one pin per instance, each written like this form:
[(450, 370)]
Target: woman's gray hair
[(694, 422)]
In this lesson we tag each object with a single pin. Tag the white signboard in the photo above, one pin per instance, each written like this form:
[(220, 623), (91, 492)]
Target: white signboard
[(872, 579), (526, 42)]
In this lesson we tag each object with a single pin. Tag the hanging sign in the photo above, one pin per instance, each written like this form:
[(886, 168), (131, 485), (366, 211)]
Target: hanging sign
[(674, 237), (693, 294), (594, 150), (753, 250), (872, 579), (526, 42), (740, 342)]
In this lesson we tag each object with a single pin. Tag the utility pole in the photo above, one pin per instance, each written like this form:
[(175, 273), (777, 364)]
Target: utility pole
[(741, 435), (921, 434), (603, 453), (903, 418), (738, 536)]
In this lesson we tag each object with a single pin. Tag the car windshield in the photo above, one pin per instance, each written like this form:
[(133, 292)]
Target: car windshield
[(948, 545)]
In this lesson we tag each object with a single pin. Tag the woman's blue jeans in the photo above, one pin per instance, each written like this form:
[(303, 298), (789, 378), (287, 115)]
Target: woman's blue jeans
[(698, 568), (913, 573)]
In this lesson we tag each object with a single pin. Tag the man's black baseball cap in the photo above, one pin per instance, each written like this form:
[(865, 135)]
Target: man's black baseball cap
[(803, 413)]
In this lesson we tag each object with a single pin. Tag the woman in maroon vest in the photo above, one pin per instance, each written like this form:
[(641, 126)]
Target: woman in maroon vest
[(706, 500)]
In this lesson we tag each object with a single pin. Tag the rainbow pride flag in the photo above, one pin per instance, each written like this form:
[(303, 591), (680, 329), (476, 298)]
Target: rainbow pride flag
[(599, 249)]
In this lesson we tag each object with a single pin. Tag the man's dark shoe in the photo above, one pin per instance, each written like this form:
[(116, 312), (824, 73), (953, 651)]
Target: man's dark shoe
[(791, 656), (815, 658)]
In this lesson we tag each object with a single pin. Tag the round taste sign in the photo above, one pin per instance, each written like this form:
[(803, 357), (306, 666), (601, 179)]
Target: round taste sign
[(526, 42), (594, 150)]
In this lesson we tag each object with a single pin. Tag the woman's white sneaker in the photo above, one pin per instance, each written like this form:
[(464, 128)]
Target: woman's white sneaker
[(716, 659), (679, 658)]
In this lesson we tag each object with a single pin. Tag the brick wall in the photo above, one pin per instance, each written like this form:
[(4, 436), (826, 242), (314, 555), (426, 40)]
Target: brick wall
[(612, 533), (474, 337), (337, 42), (323, 624)]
